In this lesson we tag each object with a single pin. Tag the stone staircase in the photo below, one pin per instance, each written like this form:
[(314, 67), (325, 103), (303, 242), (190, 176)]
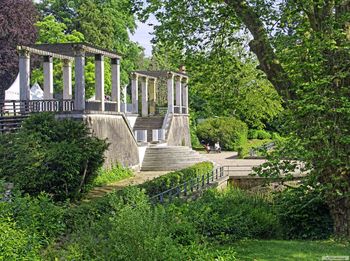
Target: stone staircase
[(149, 124), (159, 158)]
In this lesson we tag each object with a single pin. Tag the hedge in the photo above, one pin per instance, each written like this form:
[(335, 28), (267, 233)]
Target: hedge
[(175, 178)]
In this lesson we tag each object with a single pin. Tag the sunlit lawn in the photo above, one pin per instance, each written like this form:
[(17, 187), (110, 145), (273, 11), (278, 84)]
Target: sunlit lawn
[(280, 250)]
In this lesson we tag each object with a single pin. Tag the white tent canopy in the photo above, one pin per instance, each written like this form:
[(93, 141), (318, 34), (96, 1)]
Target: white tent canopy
[(36, 93)]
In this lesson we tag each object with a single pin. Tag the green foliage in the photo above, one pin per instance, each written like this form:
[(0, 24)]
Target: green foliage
[(230, 132), (106, 24), (27, 224), (116, 173), (59, 157), (175, 178), (259, 134), (303, 213), (232, 215), (243, 151)]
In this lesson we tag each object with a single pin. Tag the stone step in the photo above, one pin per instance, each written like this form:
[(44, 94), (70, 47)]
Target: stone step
[(170, 158)]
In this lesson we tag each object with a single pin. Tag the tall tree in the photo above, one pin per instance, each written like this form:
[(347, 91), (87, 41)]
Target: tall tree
[(17, 19), (303, 48)]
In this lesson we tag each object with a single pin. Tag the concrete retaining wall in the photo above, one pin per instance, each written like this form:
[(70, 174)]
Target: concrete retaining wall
[(179, 131), (123, 147)]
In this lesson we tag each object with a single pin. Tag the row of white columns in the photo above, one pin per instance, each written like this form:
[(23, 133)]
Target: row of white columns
[(181, 95), (24, 71), (24, 75), (148, 93)]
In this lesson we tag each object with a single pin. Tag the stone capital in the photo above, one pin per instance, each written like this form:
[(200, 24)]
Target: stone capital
[(115, 61)]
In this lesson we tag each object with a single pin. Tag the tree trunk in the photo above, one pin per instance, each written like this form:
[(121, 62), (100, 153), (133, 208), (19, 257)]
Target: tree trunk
[(340, 211), (263, 49)]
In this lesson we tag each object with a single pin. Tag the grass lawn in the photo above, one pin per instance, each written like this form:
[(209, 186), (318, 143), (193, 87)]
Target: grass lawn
[(283, 250)]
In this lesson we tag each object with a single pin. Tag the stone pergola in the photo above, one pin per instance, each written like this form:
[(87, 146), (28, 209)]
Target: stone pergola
[(69, 52), (177, 100)]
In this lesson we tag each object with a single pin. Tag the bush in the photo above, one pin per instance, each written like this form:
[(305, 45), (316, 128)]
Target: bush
[(259, 134), (230, 132), (175, 178), (59, 157), (303, 213)]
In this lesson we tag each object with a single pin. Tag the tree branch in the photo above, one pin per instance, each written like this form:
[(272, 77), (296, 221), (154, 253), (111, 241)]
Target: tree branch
[(262, 47)]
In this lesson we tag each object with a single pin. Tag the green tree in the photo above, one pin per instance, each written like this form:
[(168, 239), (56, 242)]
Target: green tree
[(303, 48), (104, 23)]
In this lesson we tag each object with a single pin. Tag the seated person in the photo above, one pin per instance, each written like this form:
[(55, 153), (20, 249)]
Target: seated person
[(207, 148), (217, 147)]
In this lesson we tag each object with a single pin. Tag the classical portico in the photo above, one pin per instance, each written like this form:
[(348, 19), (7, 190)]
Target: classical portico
[(147, 82), (72, 53)]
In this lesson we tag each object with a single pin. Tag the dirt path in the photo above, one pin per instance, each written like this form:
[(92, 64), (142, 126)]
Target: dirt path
[(140, 177)]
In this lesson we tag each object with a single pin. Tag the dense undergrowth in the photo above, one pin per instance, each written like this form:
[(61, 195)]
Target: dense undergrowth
[(123, 225)]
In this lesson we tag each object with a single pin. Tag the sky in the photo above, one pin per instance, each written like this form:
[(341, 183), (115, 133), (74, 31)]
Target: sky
[(143, 35)]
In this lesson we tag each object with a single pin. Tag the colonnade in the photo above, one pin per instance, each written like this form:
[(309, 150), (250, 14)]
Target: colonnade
[(79, 62), (177, 93)]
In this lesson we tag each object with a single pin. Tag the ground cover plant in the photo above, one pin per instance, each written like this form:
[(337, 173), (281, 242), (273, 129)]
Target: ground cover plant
[(59, 157), (114, 174)]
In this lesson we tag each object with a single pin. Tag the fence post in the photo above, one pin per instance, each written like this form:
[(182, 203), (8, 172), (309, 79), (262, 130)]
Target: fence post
[(208, 178), (203, 178), (191, 185), (216, 173), (185, 189), (198, 183), (212, 175), (161, 198)]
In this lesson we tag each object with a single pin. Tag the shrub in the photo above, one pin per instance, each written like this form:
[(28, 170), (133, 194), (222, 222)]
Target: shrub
[(175, 178), (259, 134), (303, 213), (59, 157), (230, 132)]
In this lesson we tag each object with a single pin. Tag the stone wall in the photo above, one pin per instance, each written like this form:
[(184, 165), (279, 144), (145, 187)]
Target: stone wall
[(123, 147), (179, 131)]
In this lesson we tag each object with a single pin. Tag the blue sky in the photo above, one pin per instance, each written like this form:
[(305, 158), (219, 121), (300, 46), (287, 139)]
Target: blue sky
[(143, 35)]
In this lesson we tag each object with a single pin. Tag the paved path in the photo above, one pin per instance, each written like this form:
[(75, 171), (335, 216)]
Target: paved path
[(230, 158)]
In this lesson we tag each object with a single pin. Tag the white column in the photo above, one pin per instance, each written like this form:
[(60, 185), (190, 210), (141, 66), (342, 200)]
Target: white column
[(116, 82), (24, 76), (135, 94), (170, 86), (152, 96), (67, 80), (125, 94), (185, 95), (48, 78), (100, 80), (144, 88), (79, 99), (179, 93)]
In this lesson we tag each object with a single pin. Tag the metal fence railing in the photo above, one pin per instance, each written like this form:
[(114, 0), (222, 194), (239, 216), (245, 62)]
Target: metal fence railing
[(190, 187)]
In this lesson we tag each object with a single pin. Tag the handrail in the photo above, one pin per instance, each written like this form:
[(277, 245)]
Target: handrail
[(200, 183), (22, 107)]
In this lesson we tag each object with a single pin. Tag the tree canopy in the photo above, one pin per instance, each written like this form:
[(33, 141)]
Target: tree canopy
[(303, 49), (17, 18)]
